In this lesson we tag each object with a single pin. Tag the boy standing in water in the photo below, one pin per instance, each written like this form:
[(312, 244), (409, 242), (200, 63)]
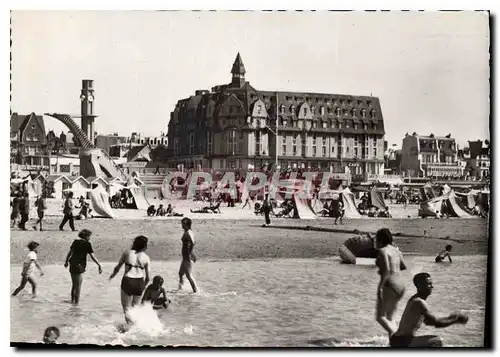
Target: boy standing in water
[(41, 206), (444, 253), (28, 273), (188, 258), (154, 292), (416, 312)]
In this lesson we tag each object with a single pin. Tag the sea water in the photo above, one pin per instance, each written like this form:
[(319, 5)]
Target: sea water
[(276, 302)]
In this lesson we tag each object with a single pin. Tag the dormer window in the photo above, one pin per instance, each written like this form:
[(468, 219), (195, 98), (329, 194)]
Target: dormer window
[(305, 111), (373, 113), (282, 109), (353, 112), (259, 108), (322, 110), (337, 111), (363, 113), (313, 110)]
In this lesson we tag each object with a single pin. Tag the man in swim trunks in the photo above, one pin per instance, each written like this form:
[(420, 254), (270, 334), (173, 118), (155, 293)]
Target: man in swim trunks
[(416, 312)]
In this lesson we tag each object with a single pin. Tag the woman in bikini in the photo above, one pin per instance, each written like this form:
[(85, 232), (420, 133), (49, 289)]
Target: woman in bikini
[(392, 286), (136, 277)]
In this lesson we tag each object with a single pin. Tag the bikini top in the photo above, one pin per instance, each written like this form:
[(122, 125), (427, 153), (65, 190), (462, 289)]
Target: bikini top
[(130, 266)]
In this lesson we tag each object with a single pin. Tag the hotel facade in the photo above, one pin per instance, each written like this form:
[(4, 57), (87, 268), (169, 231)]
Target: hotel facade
[(233, 126)]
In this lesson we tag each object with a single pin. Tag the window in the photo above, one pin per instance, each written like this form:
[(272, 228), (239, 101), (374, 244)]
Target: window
[(305, 111), (324, 125), (303, 145), (313, 110), (337, 112), (374, 152), (177, 147), (323, 140), (323, 149), (355, 126), (283, 145), (314, 151), (209, 143), (259, 108), (346, 112), (347, 124), (322, 110), (294, 145), (365, 126), (353, 112), (301, 124), (191, 143), (374, 126), (314, 124), (373, 114), (292, 109), (363, 113), (282, 109), (314, 140), (257, 143), (233, 141)]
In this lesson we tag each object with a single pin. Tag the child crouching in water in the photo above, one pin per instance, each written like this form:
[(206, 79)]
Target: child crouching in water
[(28, 273), (154, 292), (444, 253)]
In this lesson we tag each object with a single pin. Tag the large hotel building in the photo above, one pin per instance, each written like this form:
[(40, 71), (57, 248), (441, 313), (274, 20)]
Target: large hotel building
[(233, 126)]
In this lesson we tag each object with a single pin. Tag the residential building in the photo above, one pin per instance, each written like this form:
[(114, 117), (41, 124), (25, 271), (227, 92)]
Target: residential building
[(233, 126), (478, 163), (430, 156), (28, 142)]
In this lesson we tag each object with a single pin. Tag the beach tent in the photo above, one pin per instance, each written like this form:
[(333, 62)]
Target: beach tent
[(100, 202), (376, 199)]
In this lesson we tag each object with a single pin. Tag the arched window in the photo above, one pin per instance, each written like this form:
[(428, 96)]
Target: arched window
[(353, 112), (282, 109), (322, 110), (363, 113), (292, 109), (373, 113), (337, 111)]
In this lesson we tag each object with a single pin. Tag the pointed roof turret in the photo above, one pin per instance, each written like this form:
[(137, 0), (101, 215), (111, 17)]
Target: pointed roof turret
[(238, 67)]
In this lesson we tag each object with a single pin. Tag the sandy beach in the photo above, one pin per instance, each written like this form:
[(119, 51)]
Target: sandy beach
[(246, 239)]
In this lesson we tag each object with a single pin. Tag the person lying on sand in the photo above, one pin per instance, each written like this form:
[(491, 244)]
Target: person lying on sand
[(444, 253), (156, 295), (416, 312)]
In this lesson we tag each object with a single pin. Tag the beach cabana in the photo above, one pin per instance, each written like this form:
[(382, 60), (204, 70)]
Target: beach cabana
[(57, 184)]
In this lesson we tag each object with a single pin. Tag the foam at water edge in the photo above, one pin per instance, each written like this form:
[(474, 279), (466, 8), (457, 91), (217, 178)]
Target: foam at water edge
[(145, 320)]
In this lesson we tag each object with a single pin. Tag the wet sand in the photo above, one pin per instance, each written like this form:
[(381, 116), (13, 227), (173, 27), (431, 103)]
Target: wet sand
[(246, 239)]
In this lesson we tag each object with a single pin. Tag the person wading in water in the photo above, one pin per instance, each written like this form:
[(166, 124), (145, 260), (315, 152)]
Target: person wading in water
[(136, 276), (188, 257), (77, 261)]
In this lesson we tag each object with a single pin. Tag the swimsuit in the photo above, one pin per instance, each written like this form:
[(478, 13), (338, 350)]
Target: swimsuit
[(133, 286), (439, 259)]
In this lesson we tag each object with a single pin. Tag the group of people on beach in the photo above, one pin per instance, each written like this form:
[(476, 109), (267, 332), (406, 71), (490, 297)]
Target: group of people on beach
[(134, 285), (391, 289)]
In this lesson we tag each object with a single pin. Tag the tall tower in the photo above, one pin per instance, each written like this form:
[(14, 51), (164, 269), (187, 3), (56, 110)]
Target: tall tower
[(87, 110), (238, 72)]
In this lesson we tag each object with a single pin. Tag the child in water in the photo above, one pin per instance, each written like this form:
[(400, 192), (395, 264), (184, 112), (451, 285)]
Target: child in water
[(153, 293), (51, 335), (445, 253), (28, 273)]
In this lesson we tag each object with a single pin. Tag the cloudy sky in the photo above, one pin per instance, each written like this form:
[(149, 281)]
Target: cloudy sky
[(430, 70)]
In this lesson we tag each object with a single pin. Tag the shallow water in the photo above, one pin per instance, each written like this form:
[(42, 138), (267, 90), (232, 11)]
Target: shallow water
[(279, 302)]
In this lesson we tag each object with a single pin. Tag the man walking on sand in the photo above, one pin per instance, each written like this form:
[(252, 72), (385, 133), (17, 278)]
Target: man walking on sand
[(68, 213)]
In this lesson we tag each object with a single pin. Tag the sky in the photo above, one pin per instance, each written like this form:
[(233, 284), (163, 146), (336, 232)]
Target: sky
[(429, 69)]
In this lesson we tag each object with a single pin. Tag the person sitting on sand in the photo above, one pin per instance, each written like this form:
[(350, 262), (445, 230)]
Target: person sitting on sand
[(160, 211), (444, 253), (392, 286), (51, 335), (416, 312), (170, 210), (151, 211), (28, 273), (156, 295)]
